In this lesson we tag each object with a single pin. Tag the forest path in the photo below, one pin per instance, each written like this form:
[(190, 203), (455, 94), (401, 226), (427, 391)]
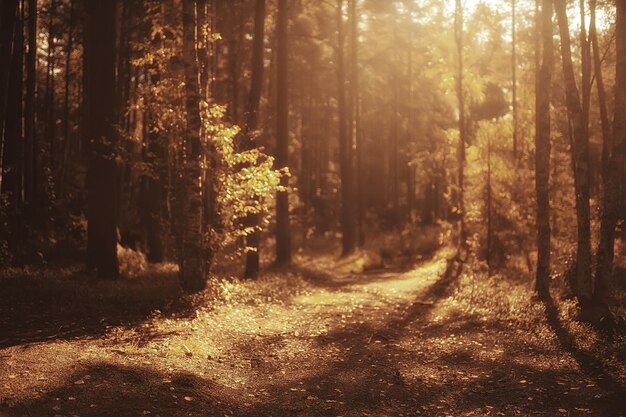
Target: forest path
[(317, 340)]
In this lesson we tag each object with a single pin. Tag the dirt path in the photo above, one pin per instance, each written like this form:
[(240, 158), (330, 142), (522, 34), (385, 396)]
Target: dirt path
[(314, 342)]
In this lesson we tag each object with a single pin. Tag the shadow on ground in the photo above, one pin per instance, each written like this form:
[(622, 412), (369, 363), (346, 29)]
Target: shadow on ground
[(391, 365), (36, 308), (591, 365)]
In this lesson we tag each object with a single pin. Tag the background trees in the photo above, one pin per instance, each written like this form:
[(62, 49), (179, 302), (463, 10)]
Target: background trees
[(394, 119)]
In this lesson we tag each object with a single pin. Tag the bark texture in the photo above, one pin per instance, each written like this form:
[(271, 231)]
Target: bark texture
[(542, 149), (348, 218), (611, 195), (283, 238), (100, 119), (584, 286), (191, 260)]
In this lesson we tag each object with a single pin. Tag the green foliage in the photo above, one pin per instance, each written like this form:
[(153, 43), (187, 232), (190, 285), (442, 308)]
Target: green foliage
[(246, 181)]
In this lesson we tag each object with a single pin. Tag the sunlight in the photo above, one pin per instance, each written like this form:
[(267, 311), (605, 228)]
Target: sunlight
[(604, 20), (311, 208)]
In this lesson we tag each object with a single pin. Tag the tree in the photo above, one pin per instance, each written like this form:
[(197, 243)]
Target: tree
[(12, 161), (50, 125), (191, 256), (283, 239), (8, 20), (458, 36), (252, 121), (100, 119), (29, 104), (542, 148), (584, 288), (10, 23), (348, 219), (355, 94), (604, 116), (514, 76), (614, 173)]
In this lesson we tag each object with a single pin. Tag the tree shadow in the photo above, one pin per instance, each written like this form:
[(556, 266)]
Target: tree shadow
[(107, 389), (590, 364), (372, 372), (40, 308)]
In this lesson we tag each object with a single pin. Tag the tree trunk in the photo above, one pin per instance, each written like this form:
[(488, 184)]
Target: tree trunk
[(584, 286), (489, 209), (50, 131), (514, 76), (283, 239), (604, 115), (542, 148), (12, 150), (252, 120), (585, 67), (202, 31), (7, 34), (348, 226), (66, 106), (29, 104), (410, 168), (458, 36), (356, 117), (234, 44), (614, 173), (191, 262), (101, 117), (157, 158), (394, 150)]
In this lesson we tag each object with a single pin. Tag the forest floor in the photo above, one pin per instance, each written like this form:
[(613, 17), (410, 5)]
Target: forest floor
[(436, 339)]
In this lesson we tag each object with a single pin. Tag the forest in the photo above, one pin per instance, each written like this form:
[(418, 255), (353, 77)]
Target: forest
[(312, 208)]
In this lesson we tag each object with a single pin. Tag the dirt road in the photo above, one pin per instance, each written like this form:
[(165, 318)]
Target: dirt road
[(314, 341)]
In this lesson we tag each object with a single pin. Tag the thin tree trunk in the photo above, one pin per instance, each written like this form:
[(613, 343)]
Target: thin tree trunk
[(348, 226), (66, 106), (394, 151), (581, 154), (203, 48), (410, 181), (356, 116), (192, 264), (50, 113), (101, 117), (514, 76), (604, 115), (7, 32), (236, 10), (283, 239), (29, 104), (585, 66), (611, 194), (489, 210), (542, 147), (458, 35), (252, 120)]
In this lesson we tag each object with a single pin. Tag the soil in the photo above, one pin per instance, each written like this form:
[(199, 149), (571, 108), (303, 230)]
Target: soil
[(438, 339)]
